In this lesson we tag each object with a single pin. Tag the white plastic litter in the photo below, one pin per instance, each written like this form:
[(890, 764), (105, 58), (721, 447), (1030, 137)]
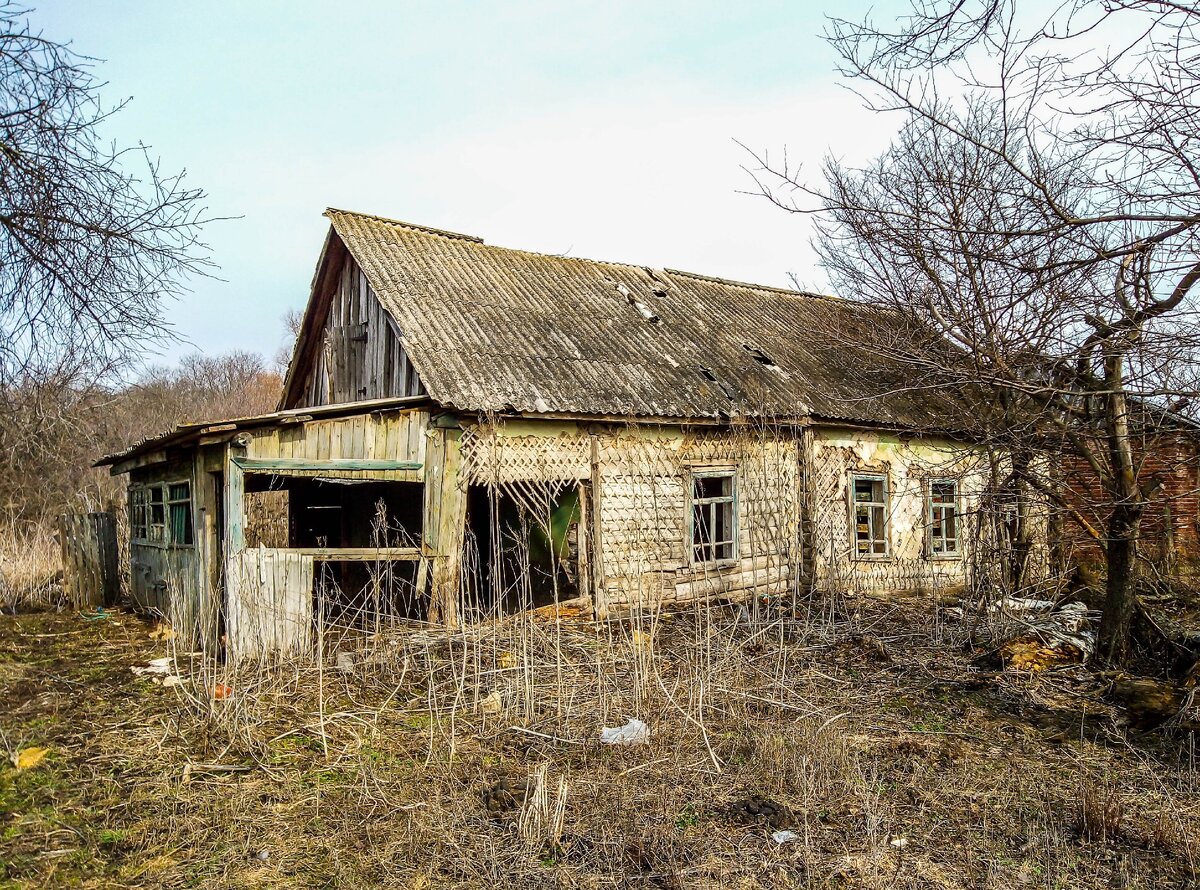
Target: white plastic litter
[(784, 837), (1020, 604), (635, 732), (154, 666)]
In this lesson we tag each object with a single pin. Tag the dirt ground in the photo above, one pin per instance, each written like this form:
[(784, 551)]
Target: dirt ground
[(433, 760)]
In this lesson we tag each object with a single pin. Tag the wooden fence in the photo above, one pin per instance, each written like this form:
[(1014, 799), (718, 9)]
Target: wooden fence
[(89, 556)]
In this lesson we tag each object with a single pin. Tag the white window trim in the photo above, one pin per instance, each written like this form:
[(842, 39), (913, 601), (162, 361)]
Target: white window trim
[(852, 507), (711, 472), (957, 552)]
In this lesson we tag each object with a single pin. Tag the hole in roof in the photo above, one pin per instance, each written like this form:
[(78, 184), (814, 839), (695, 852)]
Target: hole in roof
[(643, 310), (759, 356), (708, 375)]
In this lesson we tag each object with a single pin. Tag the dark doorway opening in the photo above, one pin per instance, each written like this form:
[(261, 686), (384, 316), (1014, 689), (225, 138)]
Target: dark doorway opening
[(366, 515), (523, 545)]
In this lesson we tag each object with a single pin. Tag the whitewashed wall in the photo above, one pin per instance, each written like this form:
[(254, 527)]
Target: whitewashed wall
[(908, 465)]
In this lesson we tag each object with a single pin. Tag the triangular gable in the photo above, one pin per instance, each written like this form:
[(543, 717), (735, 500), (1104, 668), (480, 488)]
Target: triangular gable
[(349, 348)]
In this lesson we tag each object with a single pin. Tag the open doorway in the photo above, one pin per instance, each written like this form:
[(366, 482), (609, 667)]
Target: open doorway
[(525, 545), (366, 520)]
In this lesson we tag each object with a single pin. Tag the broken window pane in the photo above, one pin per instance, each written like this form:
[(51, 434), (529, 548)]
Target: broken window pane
[(157, 517), (138, 500), (179, 501), (943, 517), (714, 518), (870, 515)]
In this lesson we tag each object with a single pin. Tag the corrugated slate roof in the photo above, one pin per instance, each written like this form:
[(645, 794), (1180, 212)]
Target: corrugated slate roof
[(497, 329)]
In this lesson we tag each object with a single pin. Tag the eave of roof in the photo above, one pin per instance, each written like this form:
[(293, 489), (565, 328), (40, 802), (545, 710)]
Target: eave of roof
[(184, 433)]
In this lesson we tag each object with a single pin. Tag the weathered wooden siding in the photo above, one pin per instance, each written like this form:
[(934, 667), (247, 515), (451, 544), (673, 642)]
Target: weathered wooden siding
[(269, 602), (639, 478), (362, 354), (381, 436), (89, 556), (167, 579), (907, 464)]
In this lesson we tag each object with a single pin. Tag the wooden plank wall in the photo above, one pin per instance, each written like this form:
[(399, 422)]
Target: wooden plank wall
[(639, 481), (362, 356), (269, 602), (89, 556), (394, 435), (269, 591), (166, 581)]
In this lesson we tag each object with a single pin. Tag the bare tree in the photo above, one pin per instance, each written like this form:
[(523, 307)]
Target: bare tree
[(1039, 211), (93, 237)]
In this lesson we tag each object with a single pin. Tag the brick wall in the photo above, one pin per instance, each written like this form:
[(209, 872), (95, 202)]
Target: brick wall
[(1169, 463)]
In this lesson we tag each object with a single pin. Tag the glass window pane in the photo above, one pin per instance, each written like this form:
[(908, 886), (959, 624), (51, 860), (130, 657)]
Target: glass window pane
[(181, 523)]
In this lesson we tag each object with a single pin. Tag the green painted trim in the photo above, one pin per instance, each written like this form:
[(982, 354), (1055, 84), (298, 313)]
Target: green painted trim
[(284, 464)]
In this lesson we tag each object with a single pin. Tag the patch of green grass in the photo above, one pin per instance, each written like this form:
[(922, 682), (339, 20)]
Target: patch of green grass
[(112, 838), (687, 818), (930, 723)]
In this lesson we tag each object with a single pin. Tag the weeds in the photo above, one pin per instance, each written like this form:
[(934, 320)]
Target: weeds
[(30, 574), (403, 771)]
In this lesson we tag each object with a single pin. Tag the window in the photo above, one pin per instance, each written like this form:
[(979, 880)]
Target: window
[(870, 515), (162, 514), (138, 498), (943, 518), (156, 515), (179, 502), (714, 517)]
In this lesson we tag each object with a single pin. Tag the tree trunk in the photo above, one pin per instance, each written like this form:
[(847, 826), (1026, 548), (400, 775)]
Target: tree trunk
[(1021, 540), (1124, 524), (1121, 588)]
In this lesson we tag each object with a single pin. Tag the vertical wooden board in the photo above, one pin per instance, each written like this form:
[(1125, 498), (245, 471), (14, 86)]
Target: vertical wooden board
[(335, 431), (417, 441), (234, 506), (391, 448), (451, 521), (319, 443), (435, 452)]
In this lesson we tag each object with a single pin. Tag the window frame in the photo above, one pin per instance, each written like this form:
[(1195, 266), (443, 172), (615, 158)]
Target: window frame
[(142, 499), (883, 504), (931, 522), (731, 500)]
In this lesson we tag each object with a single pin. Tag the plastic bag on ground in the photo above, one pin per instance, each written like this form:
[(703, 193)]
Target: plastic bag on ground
[(635, 732)]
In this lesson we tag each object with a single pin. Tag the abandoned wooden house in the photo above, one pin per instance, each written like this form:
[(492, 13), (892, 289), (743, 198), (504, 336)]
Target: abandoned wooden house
[(487, 429)]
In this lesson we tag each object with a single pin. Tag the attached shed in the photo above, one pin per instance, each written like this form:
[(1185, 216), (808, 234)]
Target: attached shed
[(504, 429)]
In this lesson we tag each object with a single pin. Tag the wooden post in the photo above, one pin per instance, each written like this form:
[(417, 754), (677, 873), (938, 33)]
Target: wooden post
[(445, 522), (599, 600)]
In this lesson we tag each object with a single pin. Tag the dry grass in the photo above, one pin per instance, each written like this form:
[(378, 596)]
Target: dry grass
[(30, 564), (899, 765)]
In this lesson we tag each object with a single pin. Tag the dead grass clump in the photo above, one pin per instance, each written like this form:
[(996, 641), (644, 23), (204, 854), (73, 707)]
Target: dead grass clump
[(30, 567), (1099, 814)]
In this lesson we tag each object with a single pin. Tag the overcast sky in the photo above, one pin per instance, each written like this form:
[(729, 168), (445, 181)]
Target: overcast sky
[(601, 130)]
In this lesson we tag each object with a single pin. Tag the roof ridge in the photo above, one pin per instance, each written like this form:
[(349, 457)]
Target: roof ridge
[(399, 222), (791, 292)]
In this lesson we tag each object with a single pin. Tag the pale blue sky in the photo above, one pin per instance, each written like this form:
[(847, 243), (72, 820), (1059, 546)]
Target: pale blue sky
[(602, 130)]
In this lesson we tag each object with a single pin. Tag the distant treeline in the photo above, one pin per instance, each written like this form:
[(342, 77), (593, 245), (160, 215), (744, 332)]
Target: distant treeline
[(52, 429)]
